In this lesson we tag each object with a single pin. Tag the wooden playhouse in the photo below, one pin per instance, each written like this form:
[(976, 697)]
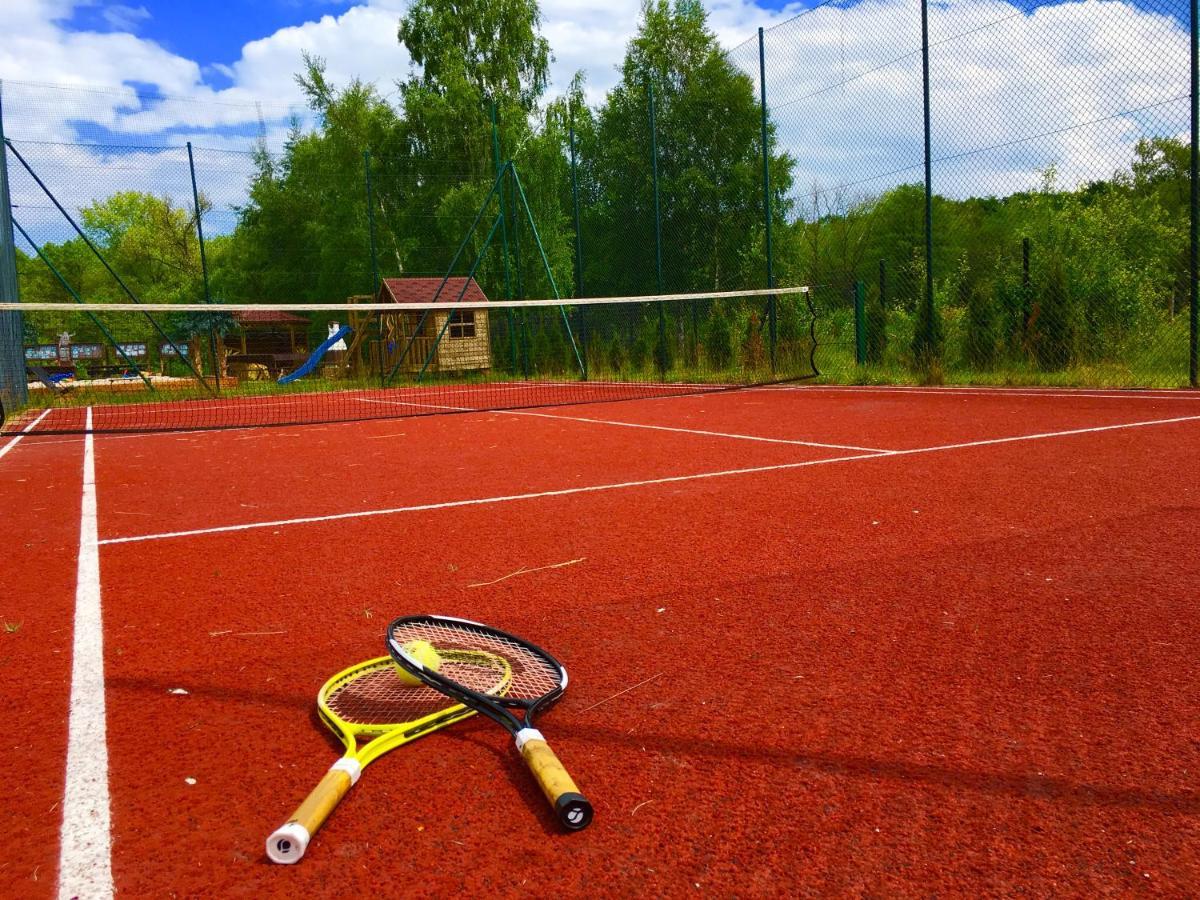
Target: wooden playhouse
[(410, 337)]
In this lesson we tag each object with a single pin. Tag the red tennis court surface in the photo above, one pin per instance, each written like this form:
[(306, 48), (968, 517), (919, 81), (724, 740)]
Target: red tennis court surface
[(821, 641)]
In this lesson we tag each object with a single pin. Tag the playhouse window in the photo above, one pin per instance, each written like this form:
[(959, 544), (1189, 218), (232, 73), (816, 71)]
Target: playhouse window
[(462, 324)]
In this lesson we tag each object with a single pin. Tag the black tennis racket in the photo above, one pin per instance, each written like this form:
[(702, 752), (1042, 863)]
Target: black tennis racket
[(538, 680)]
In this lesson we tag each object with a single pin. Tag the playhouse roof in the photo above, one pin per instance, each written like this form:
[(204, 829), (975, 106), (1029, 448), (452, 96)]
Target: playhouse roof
[(425, 290)]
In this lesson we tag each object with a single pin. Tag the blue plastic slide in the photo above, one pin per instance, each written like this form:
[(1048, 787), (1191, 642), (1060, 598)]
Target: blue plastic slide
[(312, 361)]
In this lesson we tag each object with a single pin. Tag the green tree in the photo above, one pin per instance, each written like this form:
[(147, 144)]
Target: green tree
[(928, 334), (1052, 323), (303, 235), (709, 159), (982, 328)]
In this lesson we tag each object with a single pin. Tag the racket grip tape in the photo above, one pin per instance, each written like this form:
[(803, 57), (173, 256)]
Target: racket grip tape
[(287, 843), (572, 808)]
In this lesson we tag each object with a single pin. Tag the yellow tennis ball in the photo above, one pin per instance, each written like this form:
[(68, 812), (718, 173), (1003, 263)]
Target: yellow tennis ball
[(424, 653)]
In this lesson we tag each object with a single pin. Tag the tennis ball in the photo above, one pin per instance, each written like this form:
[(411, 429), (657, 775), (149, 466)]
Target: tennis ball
[(424, 653)]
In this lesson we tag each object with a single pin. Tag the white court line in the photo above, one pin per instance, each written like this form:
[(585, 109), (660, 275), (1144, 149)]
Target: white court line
[(720, 434), (953, 390), (672, 479), (25, 431), (85, 856)]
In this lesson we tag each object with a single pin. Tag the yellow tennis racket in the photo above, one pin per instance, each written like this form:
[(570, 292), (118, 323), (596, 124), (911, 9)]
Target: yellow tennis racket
[(370, 702)]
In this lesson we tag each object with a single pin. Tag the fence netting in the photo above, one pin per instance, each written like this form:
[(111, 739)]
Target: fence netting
[(1059, 162)]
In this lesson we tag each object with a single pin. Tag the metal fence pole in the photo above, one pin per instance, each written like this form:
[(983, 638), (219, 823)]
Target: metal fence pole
[(772, 315), (661, 350), (860, 323), (928, 162), (512, 324), (583, 330), (212, 334), (654, 175), (371, 222), (13, 389), (1194, 249)]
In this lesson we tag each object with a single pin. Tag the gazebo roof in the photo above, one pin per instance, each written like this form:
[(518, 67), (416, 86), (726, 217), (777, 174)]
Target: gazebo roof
[(267, 317)]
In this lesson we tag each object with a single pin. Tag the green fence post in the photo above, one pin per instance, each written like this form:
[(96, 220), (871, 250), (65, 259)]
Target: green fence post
[(212, 334), (371, 223), (766, 186), (512, 325), (583, 331), (860, 323), (660, 352), (13, 387), (928, 160), (1194, 248)]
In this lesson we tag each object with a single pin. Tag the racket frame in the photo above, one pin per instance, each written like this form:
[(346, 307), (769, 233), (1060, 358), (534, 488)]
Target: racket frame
[(573, 810), (288, 843)]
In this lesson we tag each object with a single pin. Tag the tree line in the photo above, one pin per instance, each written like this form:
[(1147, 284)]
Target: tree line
[(389, 186)]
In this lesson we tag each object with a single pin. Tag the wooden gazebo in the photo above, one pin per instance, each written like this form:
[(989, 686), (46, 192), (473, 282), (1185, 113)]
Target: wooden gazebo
[(267, 338)]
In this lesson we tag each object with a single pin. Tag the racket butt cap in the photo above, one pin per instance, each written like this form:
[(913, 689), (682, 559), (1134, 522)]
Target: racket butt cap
[(574, 811), (288, 843)]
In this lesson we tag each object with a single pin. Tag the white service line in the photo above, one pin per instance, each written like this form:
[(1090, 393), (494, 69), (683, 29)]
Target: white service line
[(85, 856), (954, 390), (479, 501), (28, 428), (720, 434), (673, 479)]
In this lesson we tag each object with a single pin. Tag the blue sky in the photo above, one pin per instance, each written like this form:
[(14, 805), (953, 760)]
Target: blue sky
[(190, 28)]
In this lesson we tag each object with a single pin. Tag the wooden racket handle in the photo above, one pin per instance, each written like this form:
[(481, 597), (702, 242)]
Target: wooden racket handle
[(288, 843), (572, 808)]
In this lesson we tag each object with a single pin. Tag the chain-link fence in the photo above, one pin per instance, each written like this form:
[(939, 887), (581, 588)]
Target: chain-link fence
[(1006, 195), (1060, 174)]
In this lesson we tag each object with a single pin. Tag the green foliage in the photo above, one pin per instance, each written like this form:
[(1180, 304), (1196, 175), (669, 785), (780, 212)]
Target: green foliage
[(982, 328), (709, 160), (877, 329), (928, 333), (718, 337), (1052, 322)]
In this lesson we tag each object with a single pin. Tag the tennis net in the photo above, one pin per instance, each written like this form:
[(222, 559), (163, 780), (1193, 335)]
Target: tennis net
[(163, 367)]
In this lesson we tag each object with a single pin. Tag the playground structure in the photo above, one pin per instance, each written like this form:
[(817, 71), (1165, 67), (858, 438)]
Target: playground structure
[(381, 337)]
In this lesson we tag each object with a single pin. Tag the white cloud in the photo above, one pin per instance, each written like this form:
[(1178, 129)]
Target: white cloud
[(124, 18)]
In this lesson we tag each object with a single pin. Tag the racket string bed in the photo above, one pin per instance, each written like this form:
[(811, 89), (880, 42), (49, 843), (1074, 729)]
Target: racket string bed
[(453, 657), (532, 675)]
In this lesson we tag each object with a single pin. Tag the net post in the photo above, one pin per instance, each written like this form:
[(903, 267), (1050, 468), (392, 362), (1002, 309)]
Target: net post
[(212, 334), (1194, 223), (14, 391), (766, 186), (860, 323)]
